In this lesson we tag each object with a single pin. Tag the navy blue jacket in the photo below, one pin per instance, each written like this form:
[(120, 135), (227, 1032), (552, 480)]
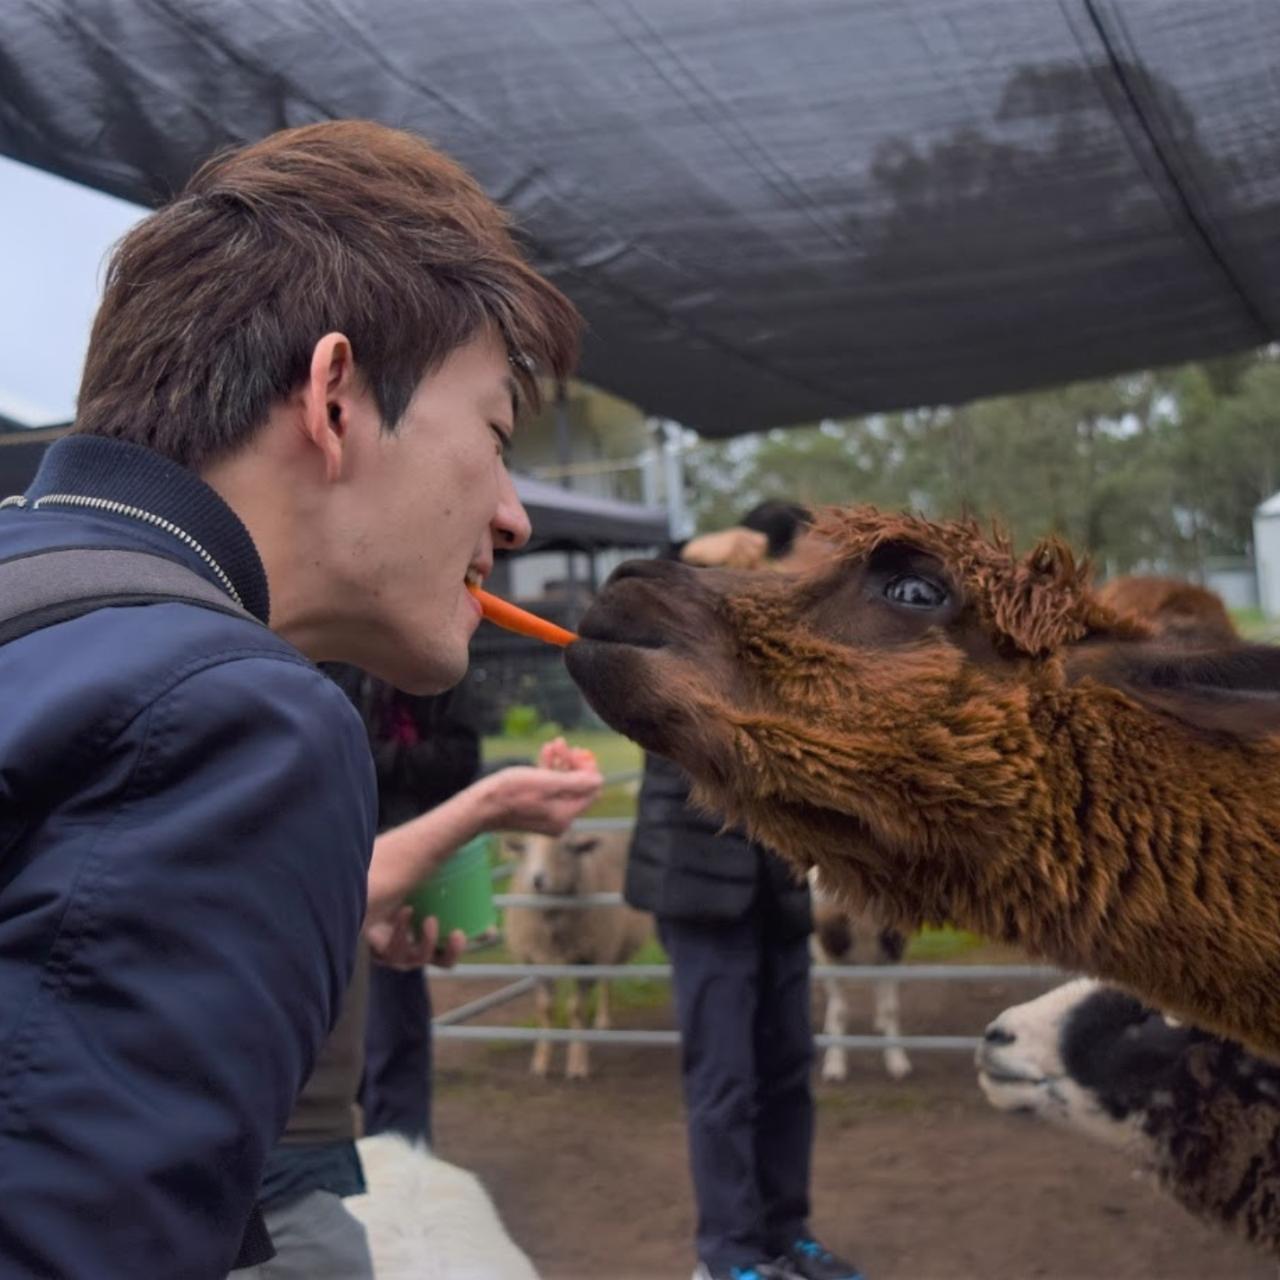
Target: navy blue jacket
[(187, 812)]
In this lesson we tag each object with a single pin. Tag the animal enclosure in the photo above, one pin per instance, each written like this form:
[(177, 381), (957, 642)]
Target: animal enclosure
[(917, 1180)]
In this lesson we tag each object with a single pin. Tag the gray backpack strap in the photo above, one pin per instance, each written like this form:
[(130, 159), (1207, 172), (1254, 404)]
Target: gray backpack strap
[(48, 587)]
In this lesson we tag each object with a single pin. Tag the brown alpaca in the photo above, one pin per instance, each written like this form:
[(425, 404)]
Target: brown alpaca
[(1178, 611), (952, 734)]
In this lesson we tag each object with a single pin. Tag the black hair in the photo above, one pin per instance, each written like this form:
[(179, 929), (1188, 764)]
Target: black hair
[(780, 522)]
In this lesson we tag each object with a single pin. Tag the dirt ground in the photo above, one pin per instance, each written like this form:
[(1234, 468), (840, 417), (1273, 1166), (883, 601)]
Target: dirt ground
[(918, 1180)]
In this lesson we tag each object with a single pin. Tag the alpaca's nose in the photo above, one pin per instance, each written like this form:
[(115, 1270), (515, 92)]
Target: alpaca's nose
[(658, 569), (539, 882), (997, 1037)]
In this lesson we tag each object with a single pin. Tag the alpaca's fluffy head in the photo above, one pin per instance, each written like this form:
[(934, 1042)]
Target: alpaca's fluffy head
[(905, 640), (884, 694)]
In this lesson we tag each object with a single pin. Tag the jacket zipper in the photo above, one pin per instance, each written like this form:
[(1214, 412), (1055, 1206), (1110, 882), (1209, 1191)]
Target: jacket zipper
[(136, 513)]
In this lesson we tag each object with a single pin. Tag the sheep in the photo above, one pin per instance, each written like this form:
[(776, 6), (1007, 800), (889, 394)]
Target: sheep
[(429, 1220), (956, 735), (842, 936), (574, 864), (1199, 1112)]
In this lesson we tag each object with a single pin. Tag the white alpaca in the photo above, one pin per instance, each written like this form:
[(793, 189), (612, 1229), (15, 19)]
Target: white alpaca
[(844, 936), (429, 1220)]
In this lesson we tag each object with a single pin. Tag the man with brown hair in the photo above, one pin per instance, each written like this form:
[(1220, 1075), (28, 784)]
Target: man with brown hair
[(289, 448)]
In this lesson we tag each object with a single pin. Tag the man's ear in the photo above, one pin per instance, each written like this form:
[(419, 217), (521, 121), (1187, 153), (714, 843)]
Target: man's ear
[(327, 400)]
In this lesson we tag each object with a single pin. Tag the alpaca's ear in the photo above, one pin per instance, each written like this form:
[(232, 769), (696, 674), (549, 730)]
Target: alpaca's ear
[(1045, 602), (1233, 690)]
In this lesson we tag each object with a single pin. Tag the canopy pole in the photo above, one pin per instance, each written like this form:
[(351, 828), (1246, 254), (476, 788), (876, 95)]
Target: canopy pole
[(564, 456), (673, 473)]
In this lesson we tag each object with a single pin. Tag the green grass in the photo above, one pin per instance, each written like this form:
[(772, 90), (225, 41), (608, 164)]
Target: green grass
[(932, 946), (626, 993), (643, 993), (1253, 625)]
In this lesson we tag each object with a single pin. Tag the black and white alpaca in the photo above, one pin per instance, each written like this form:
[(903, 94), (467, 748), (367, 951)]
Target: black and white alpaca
[(844, 936), (1199, 1112)]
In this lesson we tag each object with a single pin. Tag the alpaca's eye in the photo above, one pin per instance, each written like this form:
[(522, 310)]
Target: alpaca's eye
[(914, 592)]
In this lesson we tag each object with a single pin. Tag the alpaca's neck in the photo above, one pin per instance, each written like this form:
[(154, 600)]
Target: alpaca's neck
[(1086, 830), (1153, 859)]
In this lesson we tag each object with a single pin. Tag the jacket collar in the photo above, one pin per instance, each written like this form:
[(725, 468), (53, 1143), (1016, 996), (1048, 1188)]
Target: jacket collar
[(135, 476)]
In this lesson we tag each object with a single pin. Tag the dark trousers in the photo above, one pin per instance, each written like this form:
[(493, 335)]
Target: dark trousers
[(742, 1002), (396, 1090)]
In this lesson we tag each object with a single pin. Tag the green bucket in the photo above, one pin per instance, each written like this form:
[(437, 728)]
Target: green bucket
[(460, 894)]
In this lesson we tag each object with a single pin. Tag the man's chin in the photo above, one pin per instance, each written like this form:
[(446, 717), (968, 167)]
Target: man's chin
[(420, 672)]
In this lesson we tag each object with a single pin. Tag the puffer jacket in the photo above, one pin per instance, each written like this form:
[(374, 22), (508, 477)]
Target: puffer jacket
[(682, 866)]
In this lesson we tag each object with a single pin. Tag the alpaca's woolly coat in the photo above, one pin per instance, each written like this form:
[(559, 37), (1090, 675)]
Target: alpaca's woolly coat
[(1026, 767)]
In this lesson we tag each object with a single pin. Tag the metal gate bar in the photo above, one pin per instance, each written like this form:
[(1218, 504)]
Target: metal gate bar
[(482, 1003), (854, 972), (561, 1035)]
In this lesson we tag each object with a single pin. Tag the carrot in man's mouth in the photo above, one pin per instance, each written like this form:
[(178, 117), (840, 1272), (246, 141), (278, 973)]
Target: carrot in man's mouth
[(512, 618)]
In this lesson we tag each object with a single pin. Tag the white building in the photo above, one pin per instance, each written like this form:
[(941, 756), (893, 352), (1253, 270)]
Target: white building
[(1266, 552)]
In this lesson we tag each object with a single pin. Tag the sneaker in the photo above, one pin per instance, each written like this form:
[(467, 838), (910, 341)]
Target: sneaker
[(808, 1260), (757, 1271)]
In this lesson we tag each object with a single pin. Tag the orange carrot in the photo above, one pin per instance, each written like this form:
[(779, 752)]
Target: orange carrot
[(502, 614)]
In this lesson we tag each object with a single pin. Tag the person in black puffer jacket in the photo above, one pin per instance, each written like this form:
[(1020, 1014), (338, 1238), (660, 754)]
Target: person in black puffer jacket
[(735, 923)]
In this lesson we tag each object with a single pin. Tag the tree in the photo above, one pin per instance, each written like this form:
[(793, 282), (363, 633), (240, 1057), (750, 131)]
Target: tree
[(1150, 470)]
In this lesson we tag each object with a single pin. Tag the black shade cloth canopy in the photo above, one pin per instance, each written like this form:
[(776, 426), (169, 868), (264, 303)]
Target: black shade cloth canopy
[(769, 210)]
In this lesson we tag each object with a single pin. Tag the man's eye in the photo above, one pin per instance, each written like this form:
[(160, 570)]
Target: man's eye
[(915, 592), (503, 438)]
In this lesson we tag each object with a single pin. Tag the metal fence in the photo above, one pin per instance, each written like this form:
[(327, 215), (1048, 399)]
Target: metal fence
[(523, 978)]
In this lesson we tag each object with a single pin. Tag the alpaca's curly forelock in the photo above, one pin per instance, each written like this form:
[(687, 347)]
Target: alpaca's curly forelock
[(1035, 605)]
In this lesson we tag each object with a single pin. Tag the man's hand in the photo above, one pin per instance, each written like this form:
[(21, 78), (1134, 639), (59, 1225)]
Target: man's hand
[(545, 799), (541, 799), (558, 754), (395, 942)]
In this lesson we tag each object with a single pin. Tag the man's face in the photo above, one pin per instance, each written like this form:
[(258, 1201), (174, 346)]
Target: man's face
[(427, 505)]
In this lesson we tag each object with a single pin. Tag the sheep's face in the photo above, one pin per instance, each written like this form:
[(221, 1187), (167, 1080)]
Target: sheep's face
[(907, 641), (550, 865), (1086, 1056)]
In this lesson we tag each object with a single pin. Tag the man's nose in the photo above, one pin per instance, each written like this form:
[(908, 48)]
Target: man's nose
[(511, 526)]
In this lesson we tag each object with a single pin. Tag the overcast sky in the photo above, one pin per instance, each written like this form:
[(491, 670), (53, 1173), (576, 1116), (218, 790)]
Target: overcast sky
[(54, 238)]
